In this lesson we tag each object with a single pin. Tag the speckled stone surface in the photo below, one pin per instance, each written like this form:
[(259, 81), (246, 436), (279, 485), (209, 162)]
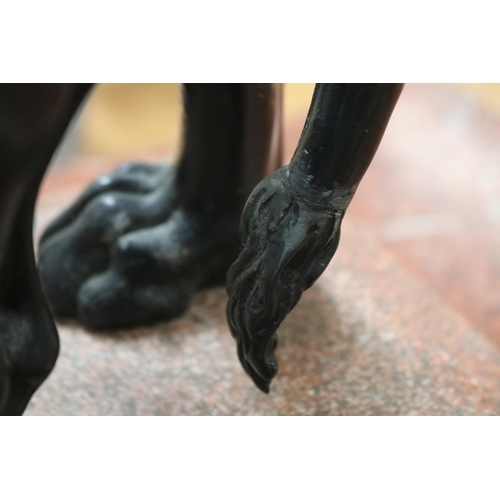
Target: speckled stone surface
[(367, 339)]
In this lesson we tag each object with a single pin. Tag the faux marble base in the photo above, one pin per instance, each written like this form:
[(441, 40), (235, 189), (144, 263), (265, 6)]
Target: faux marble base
[(367, 339)]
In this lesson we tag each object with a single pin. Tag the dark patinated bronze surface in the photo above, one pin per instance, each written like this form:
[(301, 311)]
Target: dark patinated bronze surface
[(291, 224)]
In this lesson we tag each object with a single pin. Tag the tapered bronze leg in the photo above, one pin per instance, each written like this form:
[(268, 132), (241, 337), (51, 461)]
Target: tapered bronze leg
[(291, 223)]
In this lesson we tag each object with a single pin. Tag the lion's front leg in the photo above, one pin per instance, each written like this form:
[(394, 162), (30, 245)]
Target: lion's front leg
[(142, 240)]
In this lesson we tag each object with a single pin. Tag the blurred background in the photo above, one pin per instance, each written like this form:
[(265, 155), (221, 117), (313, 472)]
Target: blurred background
[(121, 119)]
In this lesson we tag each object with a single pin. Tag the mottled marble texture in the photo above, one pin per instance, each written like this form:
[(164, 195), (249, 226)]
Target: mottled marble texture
[(367, 339)]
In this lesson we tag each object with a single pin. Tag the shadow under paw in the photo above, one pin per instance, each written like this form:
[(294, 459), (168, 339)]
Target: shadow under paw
[(129, 252)]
